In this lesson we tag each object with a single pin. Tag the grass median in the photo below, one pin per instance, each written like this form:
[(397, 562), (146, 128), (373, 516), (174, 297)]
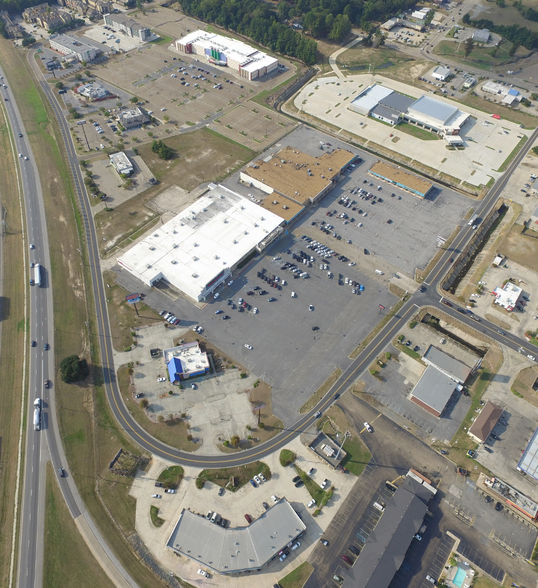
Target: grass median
[(235, 478), (298, 577)]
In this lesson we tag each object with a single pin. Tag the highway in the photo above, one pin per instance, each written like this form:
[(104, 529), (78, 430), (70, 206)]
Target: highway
[(41, 362)]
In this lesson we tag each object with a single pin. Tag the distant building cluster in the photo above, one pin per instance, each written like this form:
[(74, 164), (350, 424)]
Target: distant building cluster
[(129, 26), (74, 46), (47, 17), (90, 8), (392, 107), (219, 50), (13, 30), (509, 95)]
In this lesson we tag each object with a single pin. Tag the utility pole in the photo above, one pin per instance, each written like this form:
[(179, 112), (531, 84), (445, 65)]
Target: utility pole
[(346, 435)]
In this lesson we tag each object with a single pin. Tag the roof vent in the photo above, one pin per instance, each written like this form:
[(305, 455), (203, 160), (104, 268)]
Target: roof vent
[(196, 245), (152, 248), (235, 242), (275, 202), (285, 207), (255, 224), (148, 265), (217, 257), (195, 275), (330, 169), (195, 258), (173, 262)]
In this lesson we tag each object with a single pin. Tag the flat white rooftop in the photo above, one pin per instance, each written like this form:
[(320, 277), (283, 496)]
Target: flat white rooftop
[(202, 243)]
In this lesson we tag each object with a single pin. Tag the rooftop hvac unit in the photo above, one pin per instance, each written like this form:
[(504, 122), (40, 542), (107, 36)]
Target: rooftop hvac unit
[(275, 202), (235, 242), (285, 207), (246, 232), (152, 248), (148, 265), (225, 221), (173, 262), (174, 231), (196, 245), (195, 259), (216, 257), (330, 169), (156, 234), (195, 275), (255, 224), (242, 208), (263, 218), (322, 176), (175, 246)]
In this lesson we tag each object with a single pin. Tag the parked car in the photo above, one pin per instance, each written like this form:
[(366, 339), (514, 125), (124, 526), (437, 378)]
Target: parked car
[(368, 427), (249, 518), (156, 496)]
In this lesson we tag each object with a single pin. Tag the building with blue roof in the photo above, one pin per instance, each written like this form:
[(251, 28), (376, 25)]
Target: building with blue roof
[(186, 361)]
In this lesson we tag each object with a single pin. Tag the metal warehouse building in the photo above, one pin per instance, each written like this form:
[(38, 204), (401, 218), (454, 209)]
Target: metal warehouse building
[(199, 248), (219, 50), (436, 116), (241, 549), (401, 178), (529, 460), (385, 549)]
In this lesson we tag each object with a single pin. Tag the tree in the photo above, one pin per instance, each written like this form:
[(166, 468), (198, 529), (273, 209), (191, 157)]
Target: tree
[(73, 369), (28, 41), (144, 403), (340, 29), (133, 99), (235, 440), (78, 76), (468, 47), (59, 85), (162, 150), (87, 73)]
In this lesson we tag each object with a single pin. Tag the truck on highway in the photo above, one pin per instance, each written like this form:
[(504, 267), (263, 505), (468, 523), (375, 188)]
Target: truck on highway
[(37, 274), (472, 220), (37, 419)]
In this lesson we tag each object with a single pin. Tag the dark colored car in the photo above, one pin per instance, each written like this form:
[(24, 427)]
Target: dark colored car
[(249, 518), (347, 559), (353, 549), (296, 479), (159, 484), (299, 484), (498, 506)]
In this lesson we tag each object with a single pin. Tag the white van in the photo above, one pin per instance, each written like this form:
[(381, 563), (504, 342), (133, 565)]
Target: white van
[(293, 295), (379, 507)]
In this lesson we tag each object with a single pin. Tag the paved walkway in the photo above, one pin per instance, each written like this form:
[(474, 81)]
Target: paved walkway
[(334, 56)]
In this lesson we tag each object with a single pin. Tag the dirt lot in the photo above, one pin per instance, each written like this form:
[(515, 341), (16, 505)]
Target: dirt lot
[(389, 62), (202, 156), (524, 385), (521, 246)]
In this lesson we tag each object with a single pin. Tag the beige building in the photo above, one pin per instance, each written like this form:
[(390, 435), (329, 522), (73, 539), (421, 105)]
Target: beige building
[(485, 422)]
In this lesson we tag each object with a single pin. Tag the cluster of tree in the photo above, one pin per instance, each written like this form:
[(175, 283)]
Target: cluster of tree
[(516, 34), (66, 26), (162, 150), (27, 41), (528, 12), (3, 30), (325, 18), (73, 369), (254, 19)]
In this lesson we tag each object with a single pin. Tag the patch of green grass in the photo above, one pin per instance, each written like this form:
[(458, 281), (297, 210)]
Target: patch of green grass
[(480, 57), (320, 496), (357, 457), (287, 457), (417, 132), (407, 351), (264, 94), (164, 39), (21, 325), (298, 577), (64, 546), (241, 475), (155, 518), (171, 477)]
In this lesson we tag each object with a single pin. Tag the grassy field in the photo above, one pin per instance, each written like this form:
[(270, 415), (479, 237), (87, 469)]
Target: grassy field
[(64, 546), (508, 15), (298, 577), (172, 431), (417, 132), (287, 457), (89, 432), (480, 57), (122, 315), (241, 475), (200, 156), (524, 382), (11, 359)]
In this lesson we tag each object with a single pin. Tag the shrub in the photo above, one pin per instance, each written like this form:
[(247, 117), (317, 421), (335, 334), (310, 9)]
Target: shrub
[(388, 355), (262, 425), (413, 324), (189, 437), (373, 372), (144, 403), (162, 150), (287, 457), (242, 375), (73, 369), (200, 482), (235, 440), (60, 85), (226, 443)]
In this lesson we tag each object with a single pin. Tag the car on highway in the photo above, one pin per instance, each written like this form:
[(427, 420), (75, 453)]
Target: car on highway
[(318, 414), (46, 346), (46, 383), (32, 246), (61, 472), (34, 343), (20, 134), (368, 427)]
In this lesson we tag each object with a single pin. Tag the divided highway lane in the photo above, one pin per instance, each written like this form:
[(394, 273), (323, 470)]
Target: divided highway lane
[(41, 362), (356, 367)]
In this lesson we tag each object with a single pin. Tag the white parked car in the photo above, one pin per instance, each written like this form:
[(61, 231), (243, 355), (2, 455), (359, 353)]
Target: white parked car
[(274, 498), (262, 477), (257, 480), (248, 346), (368, 427), (203, 573), (156, 496), (311, 503), (324, 484), (161, 379)]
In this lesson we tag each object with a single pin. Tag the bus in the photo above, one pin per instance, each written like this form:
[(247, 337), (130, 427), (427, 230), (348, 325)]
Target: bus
[(37, 274)]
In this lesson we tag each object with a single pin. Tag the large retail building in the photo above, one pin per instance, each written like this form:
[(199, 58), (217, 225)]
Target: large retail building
[(199, 248), (224, 51)]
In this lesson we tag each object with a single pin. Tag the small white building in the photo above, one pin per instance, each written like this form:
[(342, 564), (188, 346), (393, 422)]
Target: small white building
[(133, 118), (508, 296), (390, 24), (93, 91), (441, 73), (121, 163), (420, 14)]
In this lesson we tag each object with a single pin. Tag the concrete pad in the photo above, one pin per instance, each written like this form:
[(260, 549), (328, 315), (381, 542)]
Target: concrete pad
[(488, 142)]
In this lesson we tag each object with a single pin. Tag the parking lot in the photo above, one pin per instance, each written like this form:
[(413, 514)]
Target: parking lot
[(406, 243)]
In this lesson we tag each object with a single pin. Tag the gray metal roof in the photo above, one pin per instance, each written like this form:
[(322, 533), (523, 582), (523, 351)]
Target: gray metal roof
[(446, 363), (388, 543), (482, 36), (236, 549), (434, 389), (433, 109), (397, 102), (385, 112), (529, 460)]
